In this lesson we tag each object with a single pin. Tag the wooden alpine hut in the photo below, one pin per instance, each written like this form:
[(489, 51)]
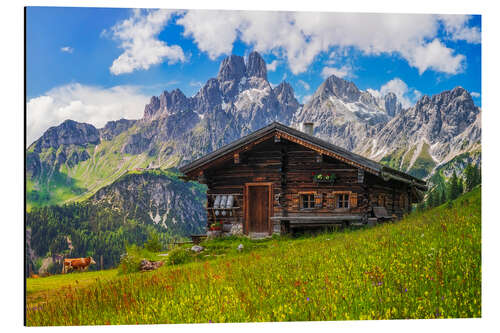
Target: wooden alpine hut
[(278, 178)]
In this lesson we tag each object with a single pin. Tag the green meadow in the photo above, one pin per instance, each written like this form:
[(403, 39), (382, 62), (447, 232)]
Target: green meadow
[(426, 266)]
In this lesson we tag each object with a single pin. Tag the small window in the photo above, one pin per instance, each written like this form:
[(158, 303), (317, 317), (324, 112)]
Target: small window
[(342, 200), (307, 201)]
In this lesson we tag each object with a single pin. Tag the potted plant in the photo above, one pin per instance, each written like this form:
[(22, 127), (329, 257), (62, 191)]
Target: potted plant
[(323, 177), (215, 229)]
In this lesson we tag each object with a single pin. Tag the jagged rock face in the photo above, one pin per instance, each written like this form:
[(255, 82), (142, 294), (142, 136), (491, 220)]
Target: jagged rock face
[(342, 113), (256, 66), (68, 133), (339, 88), (156, 199), (152, 107), (287, 101), (238, 101), (392, 105), (232, 69), (114, 128), (167, 104), (447, 123), (208, 98)]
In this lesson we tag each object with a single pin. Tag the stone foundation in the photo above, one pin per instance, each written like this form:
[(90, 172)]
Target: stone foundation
[(236, 229)]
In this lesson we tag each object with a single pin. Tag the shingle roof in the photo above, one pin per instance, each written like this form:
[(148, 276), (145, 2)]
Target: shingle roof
[(375, 167)]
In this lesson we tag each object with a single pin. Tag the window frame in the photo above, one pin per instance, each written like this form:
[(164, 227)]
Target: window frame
[(311, 196), (342, 198), (346, 200)]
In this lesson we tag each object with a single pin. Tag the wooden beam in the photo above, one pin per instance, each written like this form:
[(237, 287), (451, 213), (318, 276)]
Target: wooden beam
[(326, 152)]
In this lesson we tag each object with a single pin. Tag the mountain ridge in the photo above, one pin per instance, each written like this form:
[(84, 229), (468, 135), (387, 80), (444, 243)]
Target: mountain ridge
[(176, 129)]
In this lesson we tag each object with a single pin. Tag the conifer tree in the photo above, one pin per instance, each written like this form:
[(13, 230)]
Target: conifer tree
[(442, 197), (453, 187)]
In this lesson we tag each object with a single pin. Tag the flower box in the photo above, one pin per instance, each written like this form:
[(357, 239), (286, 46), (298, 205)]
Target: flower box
[(323, 177)]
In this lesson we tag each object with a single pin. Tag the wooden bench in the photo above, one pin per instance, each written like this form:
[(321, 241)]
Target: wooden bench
[(316, 221), (381, 214), (196, 239)]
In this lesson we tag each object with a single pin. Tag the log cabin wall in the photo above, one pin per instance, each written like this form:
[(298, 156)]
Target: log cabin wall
[(262, 164), (303, 163), (394, 196), (290, 168)]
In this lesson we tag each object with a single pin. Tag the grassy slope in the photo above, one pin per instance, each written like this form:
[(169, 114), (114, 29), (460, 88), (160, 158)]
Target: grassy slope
[(426, 266)]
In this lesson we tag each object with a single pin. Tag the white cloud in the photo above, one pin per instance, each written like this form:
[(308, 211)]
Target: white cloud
[(138, 36), (82, 103), (67, 49), (436, 56), (407, 96), (213, 31), (299, 37), (304, 84), (457, 29), (272, 66), (341, 72), (475, 94)]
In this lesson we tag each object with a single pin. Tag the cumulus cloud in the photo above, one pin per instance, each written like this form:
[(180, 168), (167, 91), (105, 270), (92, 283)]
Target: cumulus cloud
[(82, 103), (475, 94), (67, 49), (341, 72), (304, 84), (138, 37), (436, 56), (299, 37), (272, 66), (407, 96), (457, 29)]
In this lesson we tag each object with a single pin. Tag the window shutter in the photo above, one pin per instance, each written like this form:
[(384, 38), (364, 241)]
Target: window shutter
[(318, 200), (354, 200)]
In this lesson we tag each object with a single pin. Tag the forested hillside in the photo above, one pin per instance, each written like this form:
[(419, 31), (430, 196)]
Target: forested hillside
[(126, 212)]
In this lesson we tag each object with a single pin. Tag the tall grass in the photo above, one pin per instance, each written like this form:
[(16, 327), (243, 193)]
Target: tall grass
[(426, 266)]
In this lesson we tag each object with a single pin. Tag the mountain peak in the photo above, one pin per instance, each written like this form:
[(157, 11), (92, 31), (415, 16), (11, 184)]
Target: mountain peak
[(345, 90), (392, 104), (232, 68), (69, 132), (256, 66)]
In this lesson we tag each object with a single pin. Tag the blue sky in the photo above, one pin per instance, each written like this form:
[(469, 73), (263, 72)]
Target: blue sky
[(98, 64)]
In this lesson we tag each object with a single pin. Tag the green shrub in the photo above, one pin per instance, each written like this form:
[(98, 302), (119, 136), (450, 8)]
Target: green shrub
[(178, 256), (130, 262), (153, 244)]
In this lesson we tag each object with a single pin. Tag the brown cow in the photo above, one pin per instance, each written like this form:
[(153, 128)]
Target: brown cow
[(81, 264)]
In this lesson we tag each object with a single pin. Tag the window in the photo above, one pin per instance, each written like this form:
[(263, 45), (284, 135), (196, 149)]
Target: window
[(343, 200), (306, 201)]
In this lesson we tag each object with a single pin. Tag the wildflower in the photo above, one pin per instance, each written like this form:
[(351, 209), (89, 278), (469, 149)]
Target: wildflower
[(308, 299)]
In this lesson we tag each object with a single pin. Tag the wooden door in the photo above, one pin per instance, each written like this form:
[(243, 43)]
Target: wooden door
[(258, 208)]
